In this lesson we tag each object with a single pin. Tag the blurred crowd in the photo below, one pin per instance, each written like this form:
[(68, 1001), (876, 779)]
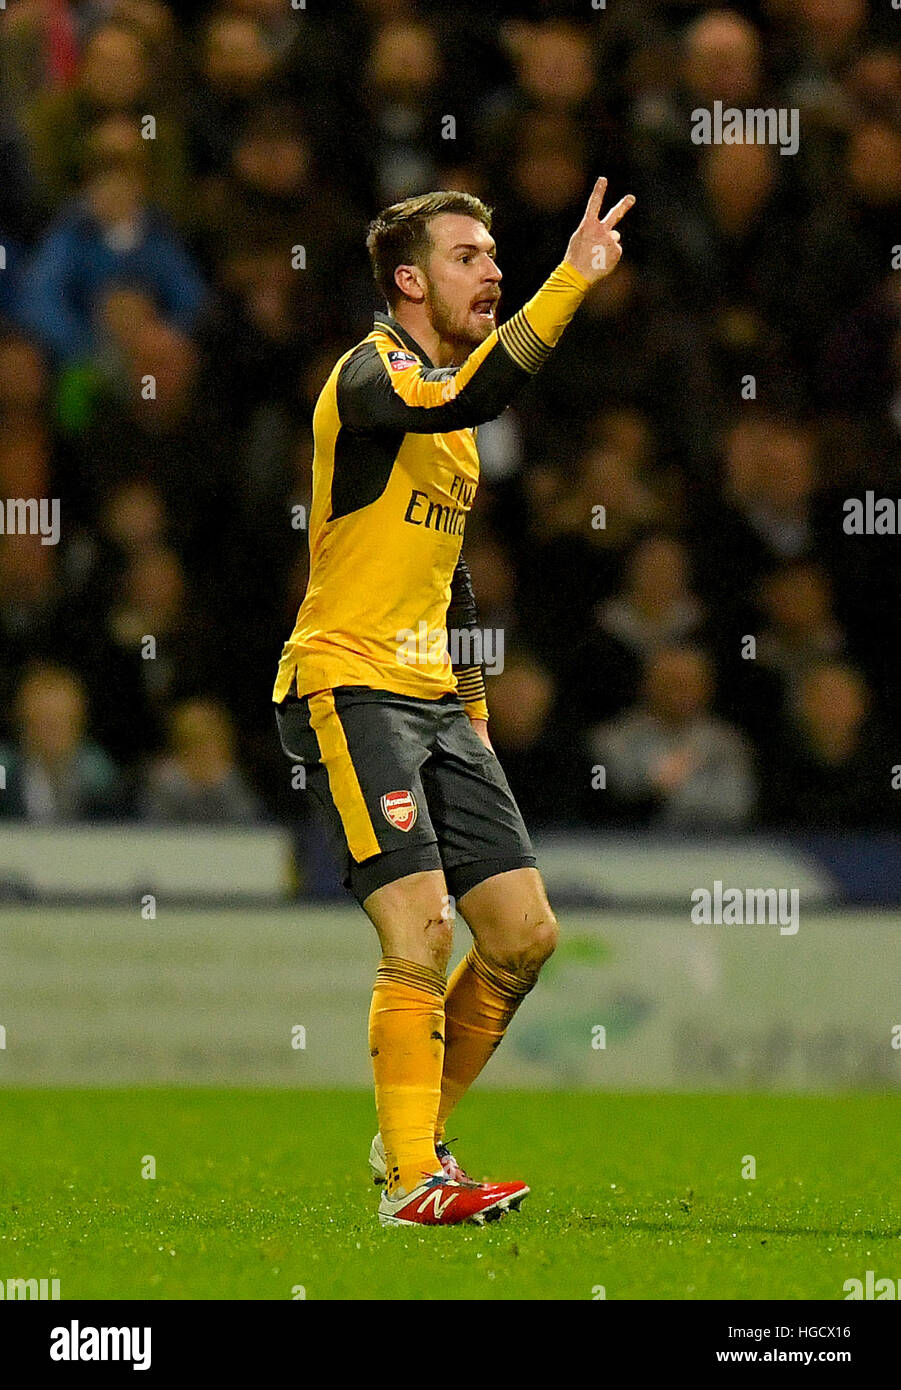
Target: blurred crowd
[(691, 637)]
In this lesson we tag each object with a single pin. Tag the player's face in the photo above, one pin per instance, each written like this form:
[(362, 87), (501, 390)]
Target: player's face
[(463, 286)]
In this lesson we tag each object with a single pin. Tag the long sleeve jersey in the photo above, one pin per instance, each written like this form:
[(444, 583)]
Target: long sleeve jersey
[(395, 471)]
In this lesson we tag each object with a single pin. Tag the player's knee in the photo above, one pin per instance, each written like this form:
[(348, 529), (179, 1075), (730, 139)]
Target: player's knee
[(545, 936), (439, 940), (537, 946)]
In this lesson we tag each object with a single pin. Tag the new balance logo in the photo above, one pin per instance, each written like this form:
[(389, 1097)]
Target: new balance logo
[(438, 1207)]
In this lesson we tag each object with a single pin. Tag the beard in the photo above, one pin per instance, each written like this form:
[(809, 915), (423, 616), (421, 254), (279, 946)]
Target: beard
[(457, 327)]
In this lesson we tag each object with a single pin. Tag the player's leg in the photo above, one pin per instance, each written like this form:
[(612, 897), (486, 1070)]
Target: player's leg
[(406, 1021), (412, 920), (512, 922), (363, 752), (514, 931), (406, 1042), (491, 870)]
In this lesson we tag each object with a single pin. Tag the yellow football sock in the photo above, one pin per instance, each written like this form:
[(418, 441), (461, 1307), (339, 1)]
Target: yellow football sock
[(406, 1043), (481, 1000)]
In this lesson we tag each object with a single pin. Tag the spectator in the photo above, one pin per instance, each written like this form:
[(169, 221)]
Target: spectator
[(133, 524), (846, 250), (535, 742), (172, 438), (581, 528), (544, 186), (114, 80), (54, 773), (38, 50), (738, 231), (656, 370), (279, 228), (656, 607), (26, 439), (668, 760), (554, 74), (717, 58), (831, 766), (402, 83), (494, 584), (110, 236), (235, 69), (31, 608), (722, 60), (801, 629), (149, 649), (198, 781), (765, 515)]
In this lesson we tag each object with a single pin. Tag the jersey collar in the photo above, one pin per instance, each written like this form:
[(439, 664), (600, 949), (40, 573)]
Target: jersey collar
[(389, 324)]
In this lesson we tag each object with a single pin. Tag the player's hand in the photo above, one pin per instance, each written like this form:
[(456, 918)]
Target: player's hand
[(594, 248), (481, 728)]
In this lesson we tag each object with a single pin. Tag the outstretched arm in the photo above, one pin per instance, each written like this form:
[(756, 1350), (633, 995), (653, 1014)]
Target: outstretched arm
[(376, 393)]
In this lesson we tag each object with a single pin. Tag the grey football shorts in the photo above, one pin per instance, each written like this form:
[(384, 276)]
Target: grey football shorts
[(404, 785)]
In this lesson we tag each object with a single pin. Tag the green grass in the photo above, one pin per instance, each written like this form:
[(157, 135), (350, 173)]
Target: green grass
[(256, 1192)]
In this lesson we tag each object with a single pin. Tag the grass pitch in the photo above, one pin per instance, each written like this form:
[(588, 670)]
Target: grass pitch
[(259, 1194)]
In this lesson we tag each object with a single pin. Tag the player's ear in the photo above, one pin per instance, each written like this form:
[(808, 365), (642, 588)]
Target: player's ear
[(411, 282)]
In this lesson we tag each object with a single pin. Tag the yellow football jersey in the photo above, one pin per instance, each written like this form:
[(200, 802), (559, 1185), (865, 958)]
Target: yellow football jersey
[(395, 471)]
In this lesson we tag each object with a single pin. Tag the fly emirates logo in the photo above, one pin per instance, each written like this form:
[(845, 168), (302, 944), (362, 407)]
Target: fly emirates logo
[(448, 517)]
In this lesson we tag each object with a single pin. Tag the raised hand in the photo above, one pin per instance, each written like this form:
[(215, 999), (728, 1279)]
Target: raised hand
[(594, 247)]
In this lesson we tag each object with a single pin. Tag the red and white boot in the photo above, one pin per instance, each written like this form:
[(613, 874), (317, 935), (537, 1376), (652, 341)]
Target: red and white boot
[(443, 1201)]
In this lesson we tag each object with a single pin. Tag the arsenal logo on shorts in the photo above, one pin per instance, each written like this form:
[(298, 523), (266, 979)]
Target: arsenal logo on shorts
[(399, 809)]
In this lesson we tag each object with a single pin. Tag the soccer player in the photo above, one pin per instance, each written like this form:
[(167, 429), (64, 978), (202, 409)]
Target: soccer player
[(392, 734)]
